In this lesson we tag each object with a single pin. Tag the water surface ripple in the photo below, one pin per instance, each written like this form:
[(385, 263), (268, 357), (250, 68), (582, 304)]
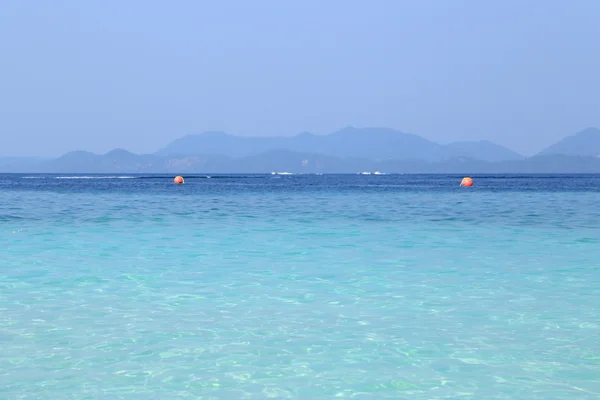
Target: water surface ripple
[(299, 287)]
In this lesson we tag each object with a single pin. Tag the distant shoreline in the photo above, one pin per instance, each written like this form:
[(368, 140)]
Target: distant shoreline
[(205, 175), (348, 151)]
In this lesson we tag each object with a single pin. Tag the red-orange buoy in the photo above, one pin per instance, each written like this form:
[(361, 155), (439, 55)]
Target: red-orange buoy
[(466, 182), (178, 180)]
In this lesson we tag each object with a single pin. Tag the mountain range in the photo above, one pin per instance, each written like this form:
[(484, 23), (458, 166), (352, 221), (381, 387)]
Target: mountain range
[(349, 150), (371, 143)]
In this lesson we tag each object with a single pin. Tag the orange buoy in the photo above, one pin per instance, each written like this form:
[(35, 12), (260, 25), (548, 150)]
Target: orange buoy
[(466, 182), (178, 180)]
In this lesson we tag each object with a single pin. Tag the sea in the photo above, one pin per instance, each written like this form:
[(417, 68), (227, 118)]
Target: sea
[(299, 287)]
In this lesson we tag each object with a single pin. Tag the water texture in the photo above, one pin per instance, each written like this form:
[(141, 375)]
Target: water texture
[(299, 287)]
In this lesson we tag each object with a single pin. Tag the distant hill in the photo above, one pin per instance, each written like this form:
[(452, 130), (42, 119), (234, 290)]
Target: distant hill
[(369, 143), (349, 150), (123, 162), (115, 161), (583, 143)]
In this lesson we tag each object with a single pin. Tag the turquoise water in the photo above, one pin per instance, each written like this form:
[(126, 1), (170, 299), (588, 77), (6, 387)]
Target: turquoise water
[(299, 287)]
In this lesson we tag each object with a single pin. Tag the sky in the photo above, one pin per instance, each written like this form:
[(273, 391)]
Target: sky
[(135, 74)]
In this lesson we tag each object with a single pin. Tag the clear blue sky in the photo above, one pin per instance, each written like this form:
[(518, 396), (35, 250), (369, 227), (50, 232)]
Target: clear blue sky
[(82, 75)]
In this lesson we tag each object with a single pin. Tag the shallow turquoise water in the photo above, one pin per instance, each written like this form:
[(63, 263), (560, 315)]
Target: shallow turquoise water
[(312, 287)]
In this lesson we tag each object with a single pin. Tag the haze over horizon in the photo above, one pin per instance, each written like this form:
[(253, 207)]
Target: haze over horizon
[(137, 75)]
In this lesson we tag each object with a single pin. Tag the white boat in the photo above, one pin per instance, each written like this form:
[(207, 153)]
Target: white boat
[(281, 173), (371, 173)]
